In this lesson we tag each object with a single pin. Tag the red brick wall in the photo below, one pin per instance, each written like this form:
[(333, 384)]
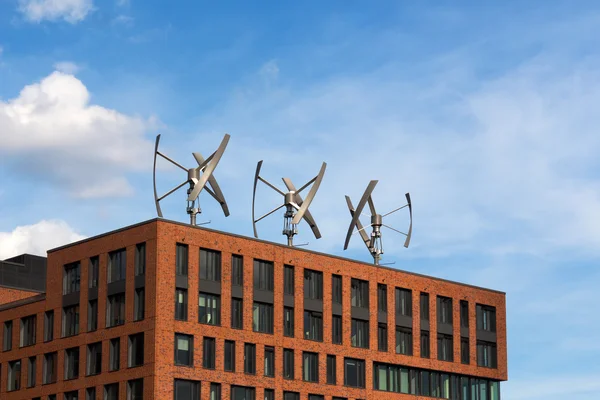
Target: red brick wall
[(8, 295), (169, 234), (159, 325)]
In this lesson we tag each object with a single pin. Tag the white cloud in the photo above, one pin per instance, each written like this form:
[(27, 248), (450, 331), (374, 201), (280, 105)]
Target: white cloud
[(67, 67), (269, 70), (81, 147), (72, 11), (36, 238)]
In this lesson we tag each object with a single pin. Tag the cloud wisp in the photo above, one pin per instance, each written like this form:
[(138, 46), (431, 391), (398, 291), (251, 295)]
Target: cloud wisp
[(37, 238), (72, 11)]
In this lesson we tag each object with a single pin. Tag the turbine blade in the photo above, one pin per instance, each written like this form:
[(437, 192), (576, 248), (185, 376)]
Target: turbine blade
[(256, 176), (358, 210), (311, 195), (210, 167), (372, 206), (361, 230), (307, 215), (409, 234), (156, 201), (216, 190)]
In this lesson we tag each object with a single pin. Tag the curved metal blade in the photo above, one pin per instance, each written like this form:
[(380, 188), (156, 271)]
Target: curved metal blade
[(307, 215), (216, 156), (408, 235), (361, 230), (216, 190), (258, 166), (372, 206), (310, 196), (156, 201), (359, 208)]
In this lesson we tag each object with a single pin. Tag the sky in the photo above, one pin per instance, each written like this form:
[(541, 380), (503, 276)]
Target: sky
[(486, 112)]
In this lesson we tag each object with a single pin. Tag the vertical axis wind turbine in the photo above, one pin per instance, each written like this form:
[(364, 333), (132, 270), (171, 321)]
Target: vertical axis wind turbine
[(374, 243), (296, 208), (197, 178)]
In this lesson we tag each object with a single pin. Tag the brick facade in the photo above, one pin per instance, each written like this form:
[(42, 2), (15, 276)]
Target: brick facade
[(159, 325)]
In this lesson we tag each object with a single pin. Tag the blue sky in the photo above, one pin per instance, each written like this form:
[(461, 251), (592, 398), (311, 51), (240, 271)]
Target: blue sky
[(486, 112)]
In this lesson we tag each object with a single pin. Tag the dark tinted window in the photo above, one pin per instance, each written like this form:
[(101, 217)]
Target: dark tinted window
[(210, 265)]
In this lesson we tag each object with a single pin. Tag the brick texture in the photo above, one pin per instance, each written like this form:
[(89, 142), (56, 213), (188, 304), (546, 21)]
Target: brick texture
[(159, 326)]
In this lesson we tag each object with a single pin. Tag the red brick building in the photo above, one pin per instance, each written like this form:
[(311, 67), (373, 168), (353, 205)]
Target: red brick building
[(163, 310)]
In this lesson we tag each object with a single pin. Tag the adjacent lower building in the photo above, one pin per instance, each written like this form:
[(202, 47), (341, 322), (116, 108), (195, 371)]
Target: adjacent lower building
[(164, 310)]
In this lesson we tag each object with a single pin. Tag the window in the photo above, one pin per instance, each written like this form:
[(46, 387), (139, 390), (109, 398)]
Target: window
[(242, 393), (237, 313), (354, 372), (360, 333), (249, 358), (186, 390), (72, 363), (49, 367), (135, 353), (181, 304), (382, 340), (93, 268), (424, 300), (336, 329), (269, 361), (404, 341), (117, 262), (181, 259), (445, 350), (425, 344), (210, 265), (71, 278), (111, 391), (28, 330), (288, 280), (331, 369), (7, 338), (288, 321), (336, 289), (215, 391), (208, 353), (184, 349), (70, 320), (464, 350), (359, 293), (72, 395), (313, 326), (404, 302), (237, 270), (269, 394), (92, 315), (382, 297), (444, 313), (291, 396), (310, 366), (90, 393), (94, 358), (115, 310), (486, 318), (263, 275), (114, 354), (31, 368), (262, 317), (140, 259), (48, 326), (487, 354), (139, 304), (313, 284), (288, 364), (135, 389), (316, 397), (229, 355), (464, 314), (209, 309)]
